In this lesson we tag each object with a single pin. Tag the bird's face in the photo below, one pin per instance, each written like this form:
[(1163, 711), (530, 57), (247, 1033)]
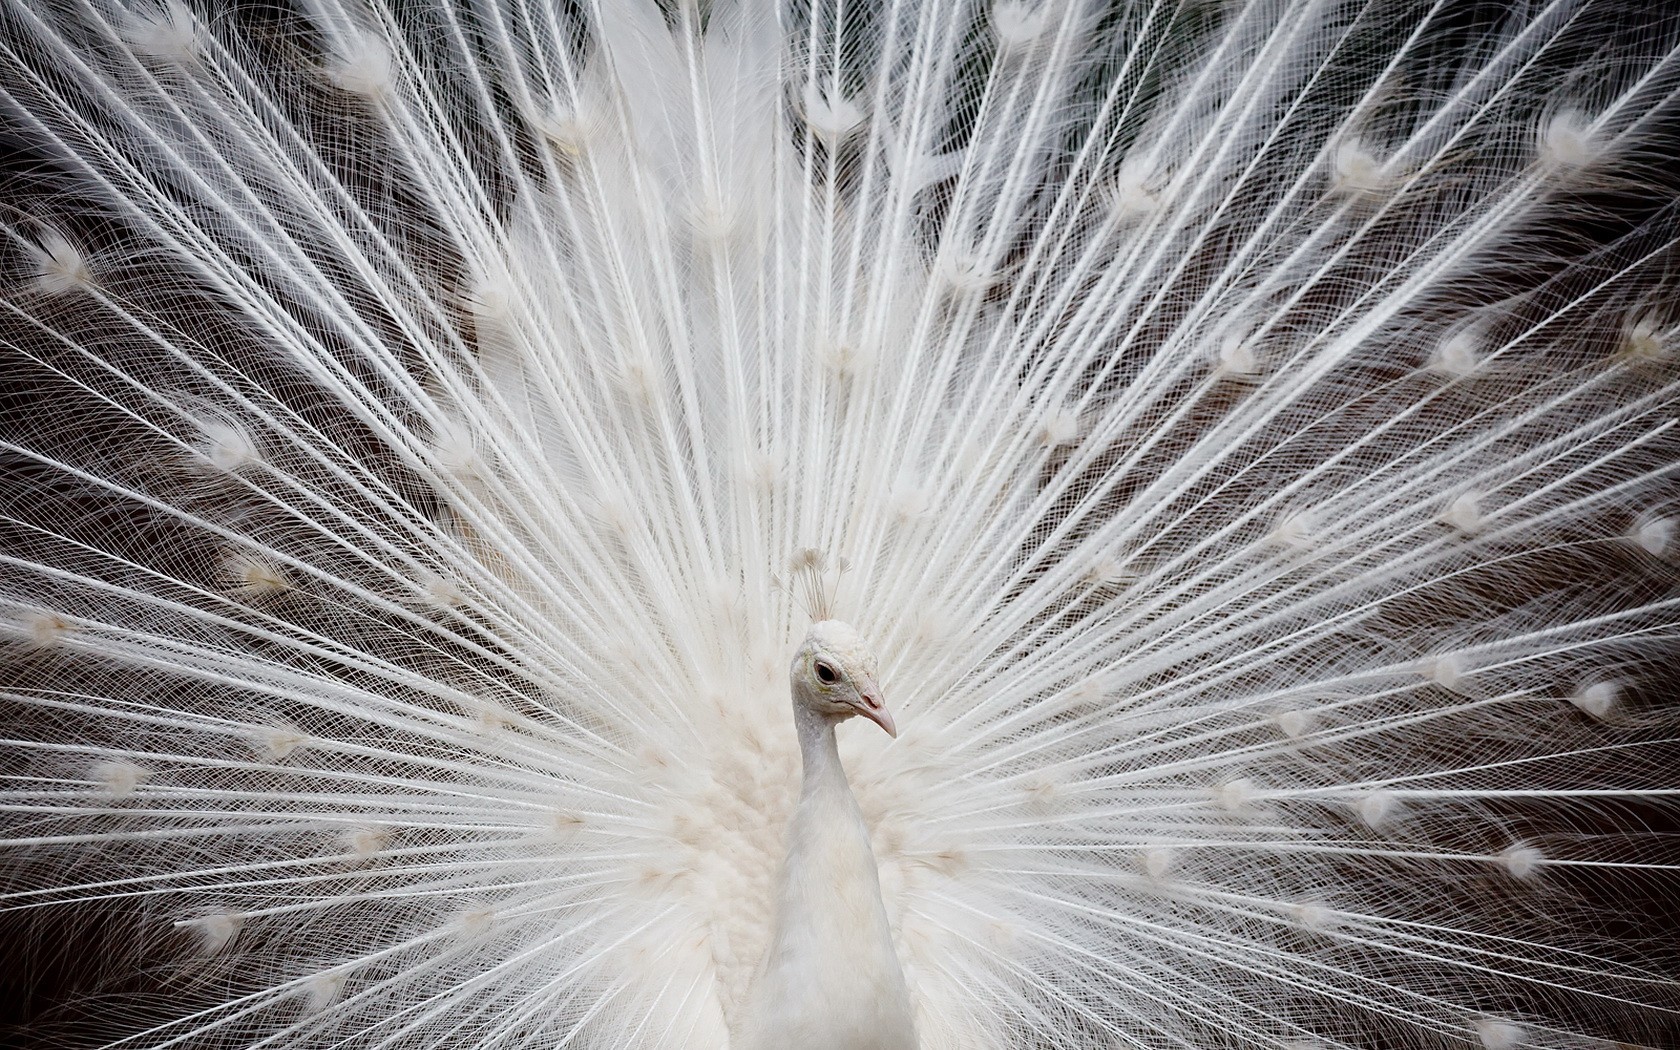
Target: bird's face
[(834, 675)]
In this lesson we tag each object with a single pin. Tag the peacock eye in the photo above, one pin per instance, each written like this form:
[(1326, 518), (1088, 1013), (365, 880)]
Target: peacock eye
[(826, 674)]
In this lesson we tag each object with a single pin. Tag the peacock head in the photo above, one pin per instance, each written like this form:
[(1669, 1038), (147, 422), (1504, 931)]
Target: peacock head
[(834, 676)]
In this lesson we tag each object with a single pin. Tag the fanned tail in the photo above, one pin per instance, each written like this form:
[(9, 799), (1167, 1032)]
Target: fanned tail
[(1247, 431)]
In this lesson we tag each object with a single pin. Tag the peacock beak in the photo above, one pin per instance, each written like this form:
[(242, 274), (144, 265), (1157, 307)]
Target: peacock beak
[(871, 706)]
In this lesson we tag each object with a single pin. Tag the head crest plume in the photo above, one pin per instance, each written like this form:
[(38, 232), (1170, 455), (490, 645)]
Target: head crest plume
[(810, 583)]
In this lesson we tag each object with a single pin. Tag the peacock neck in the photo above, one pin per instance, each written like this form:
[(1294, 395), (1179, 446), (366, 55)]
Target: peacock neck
[(820, 754)]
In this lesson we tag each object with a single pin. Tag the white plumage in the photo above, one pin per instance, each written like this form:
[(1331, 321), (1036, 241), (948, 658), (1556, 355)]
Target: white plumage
[(1247, 429), (830, 978)]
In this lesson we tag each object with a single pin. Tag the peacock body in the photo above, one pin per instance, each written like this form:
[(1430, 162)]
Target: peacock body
[(830, 978), (1244, 432)]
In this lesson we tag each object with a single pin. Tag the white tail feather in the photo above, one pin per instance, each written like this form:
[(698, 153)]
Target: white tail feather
[(1250, 431)]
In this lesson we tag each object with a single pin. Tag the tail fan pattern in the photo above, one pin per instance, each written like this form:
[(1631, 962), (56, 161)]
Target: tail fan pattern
[(1246, 431)]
